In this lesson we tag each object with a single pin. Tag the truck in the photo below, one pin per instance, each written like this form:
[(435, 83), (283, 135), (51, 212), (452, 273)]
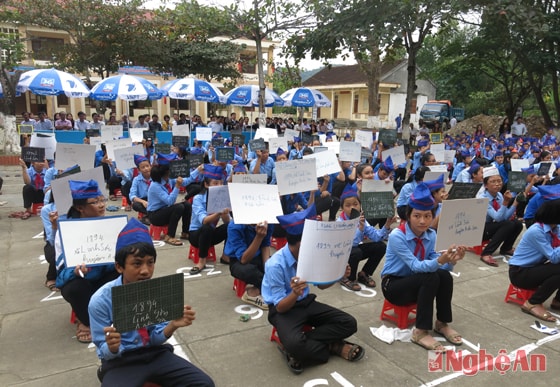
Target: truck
[(439, 110)]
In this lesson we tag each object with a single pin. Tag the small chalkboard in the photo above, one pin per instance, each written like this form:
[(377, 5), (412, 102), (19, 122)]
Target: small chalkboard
[(317, 149), (435, 138), (388, 137), (544, 169), (464, 190), (315, 137), (306, 138), (32, 154), (366, 153), (163, 148), (224, 153), (195, 160), (216, 142), (179, 168), (257, 144), (378, 204), (25, 129), (517, 181), (180, 141), (69, 171), (144, 303), (93, 133), (238, 139), (149, 134)]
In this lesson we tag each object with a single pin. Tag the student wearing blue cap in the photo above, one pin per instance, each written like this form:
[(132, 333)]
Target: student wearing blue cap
[(204, 231), (408, 189), (136, 357), (464, 159), (545, 193), (292, 306), (367, 243), (415, 273), (139, 188), (263, 163), (536, 261), (423, 147), (437, 188), (77, 284)]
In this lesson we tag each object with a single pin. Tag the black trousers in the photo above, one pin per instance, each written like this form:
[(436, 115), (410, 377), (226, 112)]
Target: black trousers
[(139, 207), (330, 203), (32, 195), (51, 259), (114, 183), (501, 233), (125, 190), (155, 364), (78, 292), (330, 325), (170, 216), (251, 272), (207, 236), (545, 278), (422, 289), (372, 251)]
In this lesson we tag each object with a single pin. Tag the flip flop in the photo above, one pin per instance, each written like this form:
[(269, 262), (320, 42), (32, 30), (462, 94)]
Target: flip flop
[(172, 241), (17, 214), (294, 365), (196, 270), (366, 280), (52, 286), (490, 261), (26, 215), (350, 285)]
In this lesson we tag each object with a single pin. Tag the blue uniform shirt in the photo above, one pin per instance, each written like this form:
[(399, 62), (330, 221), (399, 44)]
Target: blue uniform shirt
[(278, 273), (536, 247), (372, 233), (405, 193), (240, 236), (139, 188), (504, 213)]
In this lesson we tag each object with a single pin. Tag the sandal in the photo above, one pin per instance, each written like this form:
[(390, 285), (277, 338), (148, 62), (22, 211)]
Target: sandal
[(294, 365), (350, 285), (489, 260), (83, 333), (527, 307), (419, 335), (172, 241), (17, 214), (26, 215), (128, 208), (112, 198), (449, 333), (51, 285), (347, 350), (366, 280), (196, 270)]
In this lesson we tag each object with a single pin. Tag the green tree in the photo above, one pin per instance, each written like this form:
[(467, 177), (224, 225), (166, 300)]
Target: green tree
[(14, 52)]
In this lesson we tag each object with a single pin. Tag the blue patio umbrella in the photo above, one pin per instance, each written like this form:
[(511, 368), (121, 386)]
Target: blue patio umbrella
[(52, 82), (248, 95), (125, 87), (305, 97), (193, 89)]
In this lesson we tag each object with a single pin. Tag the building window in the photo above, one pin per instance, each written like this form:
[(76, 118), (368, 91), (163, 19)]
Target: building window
[(43, 48), (11, 34), (355, 108), (248, 64)]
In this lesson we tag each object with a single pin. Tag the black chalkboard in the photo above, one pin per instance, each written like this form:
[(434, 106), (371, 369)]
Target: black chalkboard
[(25, 129), (149, 134), (317, 149), (69, 171), (93, 133), (388, 137), (216, 142), (163, 148), (544, 169), (517, 181), (435, 138), (315, 137), (378, 204), (179, 168), (195, 160), (238, 139), (32, 154), (366, 153), (180, 141), (306, 138), (257, 144), (144, 303), (224, 153), (464, 190)]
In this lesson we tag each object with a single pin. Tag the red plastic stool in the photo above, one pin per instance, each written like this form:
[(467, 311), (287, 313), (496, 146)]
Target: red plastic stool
[(140, 216), (518, 295), (239, 287), (478, 249), (193, 254), (274, 335), (73, 317), (319, 217), (156, 231), (278, 243), (399, 315), (36, 207), (118, 193)]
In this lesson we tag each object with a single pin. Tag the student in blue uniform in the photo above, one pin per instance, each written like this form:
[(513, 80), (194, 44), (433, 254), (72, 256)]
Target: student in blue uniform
[(415, 273), (77, 284), (139, 189), (367, 244), (204, 232), (437, 188), (499, 228), (136, 357), (408, 189), (292, 306)]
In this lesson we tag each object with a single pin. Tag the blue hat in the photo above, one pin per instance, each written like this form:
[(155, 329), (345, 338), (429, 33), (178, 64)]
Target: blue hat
[(421, 199), (466, 153), (84, 189), (550, 192), (139, 159), (164, 159), (227, 140), (239, 168), (329, 136), (499, 153), (388, 165), (530, 170), (293, 223), (347, 135), (214, 172), (217, 135), (474, 166), (196, 151), (280, 151), (133, 232), (297, 139), (434, 185), (422, 143), (349, 192)]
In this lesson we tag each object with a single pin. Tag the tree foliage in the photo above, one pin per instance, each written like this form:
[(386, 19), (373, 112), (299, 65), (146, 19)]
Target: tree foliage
[(14, 52)]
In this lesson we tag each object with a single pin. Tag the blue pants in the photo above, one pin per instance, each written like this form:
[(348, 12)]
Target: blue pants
[(155, 364)]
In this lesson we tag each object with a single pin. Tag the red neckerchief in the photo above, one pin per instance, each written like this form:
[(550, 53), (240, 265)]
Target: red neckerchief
[(419, 243)]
